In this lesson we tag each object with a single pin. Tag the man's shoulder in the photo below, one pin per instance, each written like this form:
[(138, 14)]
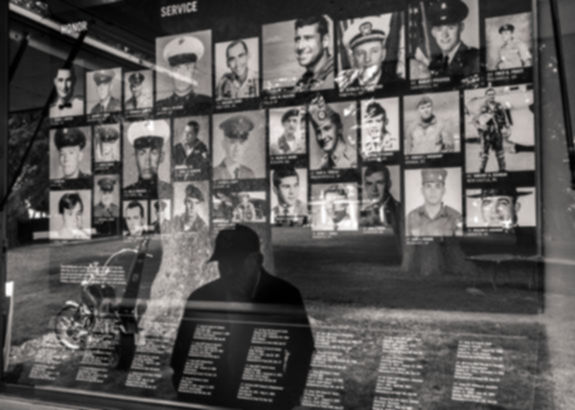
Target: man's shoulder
[(280, 290), (212, 291), (246, 171), (451, 212)]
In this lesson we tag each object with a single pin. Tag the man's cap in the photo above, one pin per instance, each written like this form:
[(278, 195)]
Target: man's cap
[(237, 241), (433, 175), (160, 205), (103, 76), (136, 78), (237, 127), (148, 134), (504, 190), (319, 112), (363, 31), (374, 109), (193, 191), (447, 12), (106, 184), (107, 134), (506, 27), (183, 49), (424, 101), (69, 137), (294, 112)]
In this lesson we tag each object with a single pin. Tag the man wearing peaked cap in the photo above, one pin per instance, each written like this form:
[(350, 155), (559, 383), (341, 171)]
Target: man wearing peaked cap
[(148, 138), (141, 92), (106, 208), (456, 59), (70, 143), (433, 218), (500, 205), (236, 131), (107, 143), (106, 101), (513, 53), (182, 55)]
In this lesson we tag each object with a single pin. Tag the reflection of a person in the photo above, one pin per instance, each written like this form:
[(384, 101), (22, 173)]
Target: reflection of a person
[(245, 211), (328, 128), (106, 101), (429, 134), (106, 208), (243, 279), (236, 130), (107, 144), (499, 206), (134, 218), (160, 224), (190, 220), (71, 208), (66, 104), (382, 208), (191, 152), (292, 139), (336, 205), (433, 218), (312, 53), (376, 139), (513, 53), (242, 80), (183, 54), (70, 143), (141, 98), (290, 209), (147, 138)]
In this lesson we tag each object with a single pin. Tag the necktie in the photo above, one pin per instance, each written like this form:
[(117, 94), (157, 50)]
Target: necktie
[(445, 63)]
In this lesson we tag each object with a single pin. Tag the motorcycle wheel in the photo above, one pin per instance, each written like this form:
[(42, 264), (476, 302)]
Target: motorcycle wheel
[(73, 326)]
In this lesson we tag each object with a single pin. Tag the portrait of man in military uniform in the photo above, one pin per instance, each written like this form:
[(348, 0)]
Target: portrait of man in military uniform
[(334, 207), (191, 208), (434, 217), (160, 217), (71, 156), (239, 148), (138, 90), (104, 91), (66, 104), (500, 206), (146, 145), (291, 139), (380, 207), (332, 143), (432, 123), (509, 41), (107, 197), (191, 151), (187, 84), (379, 127), (249, 207), (437, 39), (289, 202), (237, 69), (107, 143), (370, 56)]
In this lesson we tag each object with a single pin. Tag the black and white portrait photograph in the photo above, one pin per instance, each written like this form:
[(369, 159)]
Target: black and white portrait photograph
[(335, 207), (499, 129), (237, 69), (69, 86), (106, 143), (184, 73), (432, 123), (71, 156), (135, 214), (289, 206), (147, 159), (380, 128), (509, 41), (298, 55), (239, 146), (381, 206), (443, 39), (287, 130), (249, 207), (70, 215), (371, 52), (502, 207), (138, 90), (104, 91), (190, 152), (191, 207), (333, 134), (160, 215), (433, 202), (106, 197)]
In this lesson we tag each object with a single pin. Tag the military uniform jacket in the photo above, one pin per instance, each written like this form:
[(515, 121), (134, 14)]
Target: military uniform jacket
[(282, 215), (344, 156), (101, 211), (514, 54), (428, 137), (229, 87), (241, 172), (148, 188), (464, 63), (190, 102), (320, 79), (144, 101), (181, 224), (113, 105), (197, 158), (386, 214), (286, 147), (446, 223)]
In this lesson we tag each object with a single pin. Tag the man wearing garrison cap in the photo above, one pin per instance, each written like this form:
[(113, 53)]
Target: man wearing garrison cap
[(140, 89), (456, 59), (182, 55), (190, 220), (514, 53), (107, 143), (433, 218), (499, 205), (106, 208), (148, 138), (236, 131), (292, 140), (106, 101), (70, 143)]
